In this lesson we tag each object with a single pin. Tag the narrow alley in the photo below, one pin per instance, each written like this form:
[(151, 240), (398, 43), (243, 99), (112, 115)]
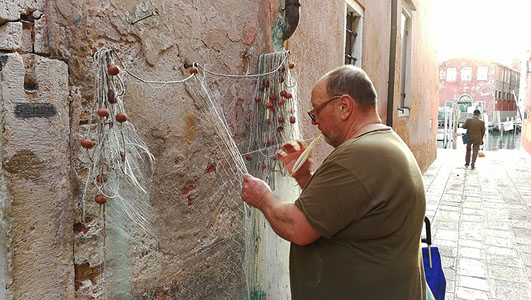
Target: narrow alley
[(481, 222)]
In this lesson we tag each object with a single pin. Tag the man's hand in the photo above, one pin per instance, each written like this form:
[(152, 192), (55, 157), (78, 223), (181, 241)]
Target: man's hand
[(289, 154), (254, 191), (286, 219)]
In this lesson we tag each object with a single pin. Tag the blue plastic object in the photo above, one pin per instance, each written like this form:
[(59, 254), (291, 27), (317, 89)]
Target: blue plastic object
[(435, 274), (433, 266)]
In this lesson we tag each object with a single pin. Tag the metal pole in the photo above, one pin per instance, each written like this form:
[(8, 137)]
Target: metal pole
[(445, 138)]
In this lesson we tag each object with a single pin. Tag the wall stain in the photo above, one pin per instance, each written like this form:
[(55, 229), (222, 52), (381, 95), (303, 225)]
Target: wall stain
[(34, 110), (190, 122), (25, 164)]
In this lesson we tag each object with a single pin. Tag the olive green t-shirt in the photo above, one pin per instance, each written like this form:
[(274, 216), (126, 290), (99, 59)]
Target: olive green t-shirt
[(367, 201)]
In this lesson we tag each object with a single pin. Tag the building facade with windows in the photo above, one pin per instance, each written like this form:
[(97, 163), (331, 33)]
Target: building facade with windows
[(392, 42), (477, 84)]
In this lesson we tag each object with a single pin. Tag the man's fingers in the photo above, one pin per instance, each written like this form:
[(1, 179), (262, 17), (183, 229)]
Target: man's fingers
[(301, 146), (246, 177), (289, 147)]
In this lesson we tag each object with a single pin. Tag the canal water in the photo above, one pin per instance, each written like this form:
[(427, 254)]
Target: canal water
[(495, 140), (508, 140)]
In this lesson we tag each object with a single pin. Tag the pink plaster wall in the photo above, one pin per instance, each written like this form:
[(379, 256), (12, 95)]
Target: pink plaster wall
[(318, 46)]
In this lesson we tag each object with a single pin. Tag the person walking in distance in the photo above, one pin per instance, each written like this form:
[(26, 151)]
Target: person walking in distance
[(355, 228), (475, 130)]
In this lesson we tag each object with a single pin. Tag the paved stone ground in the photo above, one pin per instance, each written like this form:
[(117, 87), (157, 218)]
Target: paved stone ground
[(481, 222)]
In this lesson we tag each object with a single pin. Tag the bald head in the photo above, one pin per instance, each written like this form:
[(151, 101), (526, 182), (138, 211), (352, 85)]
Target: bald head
[(352, 81)]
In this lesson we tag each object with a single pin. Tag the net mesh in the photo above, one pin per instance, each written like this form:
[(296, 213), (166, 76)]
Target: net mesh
[(121, 168)]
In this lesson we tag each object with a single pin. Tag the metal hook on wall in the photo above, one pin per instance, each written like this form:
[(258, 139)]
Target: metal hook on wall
[(154, 13)]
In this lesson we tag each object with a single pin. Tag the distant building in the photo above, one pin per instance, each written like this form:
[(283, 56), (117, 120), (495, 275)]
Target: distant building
[(476, 84)]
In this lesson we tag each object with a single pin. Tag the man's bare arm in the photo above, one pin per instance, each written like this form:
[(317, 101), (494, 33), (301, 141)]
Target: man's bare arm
[(286, 219)]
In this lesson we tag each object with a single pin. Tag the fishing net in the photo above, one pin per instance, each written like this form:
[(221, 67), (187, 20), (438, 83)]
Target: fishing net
[(115, 198), (121, 170)]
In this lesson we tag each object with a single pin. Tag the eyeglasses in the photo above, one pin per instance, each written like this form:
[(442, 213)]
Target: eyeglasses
[(312, 112)]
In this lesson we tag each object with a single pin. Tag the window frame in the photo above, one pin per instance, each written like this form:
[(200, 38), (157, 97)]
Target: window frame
[(469, 71), (486, 73), (406, 45), (354, 46), (454, 74)]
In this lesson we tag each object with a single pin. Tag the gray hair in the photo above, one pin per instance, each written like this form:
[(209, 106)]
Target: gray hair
[(353, 81)]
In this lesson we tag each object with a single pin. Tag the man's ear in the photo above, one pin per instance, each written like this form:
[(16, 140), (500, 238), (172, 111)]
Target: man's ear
[(348, 105)]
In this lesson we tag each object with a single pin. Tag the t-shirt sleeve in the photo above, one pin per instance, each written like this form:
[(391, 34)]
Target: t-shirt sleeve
[(333, 198)]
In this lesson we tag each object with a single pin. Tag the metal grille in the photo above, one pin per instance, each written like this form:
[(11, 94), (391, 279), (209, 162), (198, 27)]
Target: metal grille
[(352, 34)]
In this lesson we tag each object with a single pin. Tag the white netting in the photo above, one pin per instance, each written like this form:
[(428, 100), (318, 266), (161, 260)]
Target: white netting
[(125, 161), (119, 174)]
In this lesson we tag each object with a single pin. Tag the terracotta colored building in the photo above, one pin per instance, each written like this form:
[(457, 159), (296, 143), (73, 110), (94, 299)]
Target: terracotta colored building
[(475, 84)]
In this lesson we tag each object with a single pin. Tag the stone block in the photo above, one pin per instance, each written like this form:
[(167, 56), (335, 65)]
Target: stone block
[(37, 197), (473, 283), (11, 36), (467, 293), (10, 10), (471, 267), (502, 289), (40, 43), (27, 37)]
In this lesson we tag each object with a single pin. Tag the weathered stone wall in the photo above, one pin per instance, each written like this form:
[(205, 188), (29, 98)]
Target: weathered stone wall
[(36, 207), (195, 233), (37, 203)]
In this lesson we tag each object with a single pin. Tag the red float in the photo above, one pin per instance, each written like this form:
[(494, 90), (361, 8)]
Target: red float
[(100, 199), (121, 117), (113, 70), (87, 144), (110, 96), (102, 112)]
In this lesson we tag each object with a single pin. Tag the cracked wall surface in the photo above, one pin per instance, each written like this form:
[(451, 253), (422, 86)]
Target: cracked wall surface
[(195, 233), (37, 210)]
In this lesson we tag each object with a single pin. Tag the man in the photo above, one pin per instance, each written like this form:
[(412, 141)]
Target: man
[(475, 130), (355, 229)]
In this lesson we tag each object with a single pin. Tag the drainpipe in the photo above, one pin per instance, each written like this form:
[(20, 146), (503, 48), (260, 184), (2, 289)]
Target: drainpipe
[(284, 31), (291, 18), (392, 63)]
